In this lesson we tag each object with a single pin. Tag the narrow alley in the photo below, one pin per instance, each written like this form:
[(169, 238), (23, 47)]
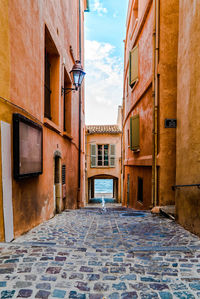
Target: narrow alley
[(91, 253)]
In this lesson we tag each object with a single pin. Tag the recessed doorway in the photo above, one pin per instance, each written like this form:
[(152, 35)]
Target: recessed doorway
[(106, 187)]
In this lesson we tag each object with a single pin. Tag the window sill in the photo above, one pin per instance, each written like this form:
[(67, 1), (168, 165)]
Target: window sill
[(67, 135), (102, 167), (51, 125), (135, 151)]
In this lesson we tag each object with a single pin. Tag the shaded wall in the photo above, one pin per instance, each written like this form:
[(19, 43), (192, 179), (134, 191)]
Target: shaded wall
[(138, 100), (167, 95), (188, 107)]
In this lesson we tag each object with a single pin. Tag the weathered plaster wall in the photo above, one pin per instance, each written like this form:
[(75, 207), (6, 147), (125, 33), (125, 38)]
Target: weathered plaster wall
[(168, 49), (188, 107), (135, 172), (22, 37), (138, 100)]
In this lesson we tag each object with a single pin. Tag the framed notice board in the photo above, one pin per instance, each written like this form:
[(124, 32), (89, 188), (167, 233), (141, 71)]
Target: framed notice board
[(27, 147)]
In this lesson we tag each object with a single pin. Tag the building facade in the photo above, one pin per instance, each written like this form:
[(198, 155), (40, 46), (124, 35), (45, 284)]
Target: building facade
[(103, 157), (39, 124), (149, 103), (188, 121)]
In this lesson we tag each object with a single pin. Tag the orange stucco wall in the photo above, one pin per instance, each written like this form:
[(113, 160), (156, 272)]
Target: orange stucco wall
[(110, 171), (167, 99), (138, 100), (188, 106), (22, 45)]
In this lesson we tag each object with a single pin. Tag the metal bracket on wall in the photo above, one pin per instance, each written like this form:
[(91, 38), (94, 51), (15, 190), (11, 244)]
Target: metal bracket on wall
[(182, 186)]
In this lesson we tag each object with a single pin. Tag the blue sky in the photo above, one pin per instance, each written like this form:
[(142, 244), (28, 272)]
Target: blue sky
[(104, 51)]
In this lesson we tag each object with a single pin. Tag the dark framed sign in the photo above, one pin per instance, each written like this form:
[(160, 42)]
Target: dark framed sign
[(170, 123), (27, 147)]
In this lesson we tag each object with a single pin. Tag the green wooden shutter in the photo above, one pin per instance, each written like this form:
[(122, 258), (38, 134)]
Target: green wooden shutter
[(112, 155), (93, 158), (135, 132), (133, 66)]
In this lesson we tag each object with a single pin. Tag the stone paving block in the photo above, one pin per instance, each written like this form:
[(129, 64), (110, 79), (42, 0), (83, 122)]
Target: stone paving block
[(25, 293), (75, 295), (2, 284), (53, 270), (82, 286), (148, 295), (93, 277), (165, 295), (183, 294), (42, 294), (195, 286), (129, 295), (114, 296), (100, 286), (59, 294), (22, 284), (43, 286), (7, 294)]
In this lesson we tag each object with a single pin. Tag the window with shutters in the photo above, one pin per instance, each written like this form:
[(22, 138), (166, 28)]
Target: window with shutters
[(51, 79), (133, 66), (135, 133), (93, 158), (102, 155), (112, 155)]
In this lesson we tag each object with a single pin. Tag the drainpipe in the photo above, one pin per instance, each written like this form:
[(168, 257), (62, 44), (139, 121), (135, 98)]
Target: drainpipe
[(79, 127), (155, 101)]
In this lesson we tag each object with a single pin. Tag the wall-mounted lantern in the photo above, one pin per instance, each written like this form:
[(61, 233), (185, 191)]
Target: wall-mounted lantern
[(77, 75)]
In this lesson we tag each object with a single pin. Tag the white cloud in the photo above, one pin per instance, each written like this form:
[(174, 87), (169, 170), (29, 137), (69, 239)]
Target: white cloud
[(104, 81), (98, 7)]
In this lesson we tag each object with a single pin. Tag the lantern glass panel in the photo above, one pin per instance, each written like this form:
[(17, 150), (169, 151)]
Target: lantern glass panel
[(82, 74), (76, 75)]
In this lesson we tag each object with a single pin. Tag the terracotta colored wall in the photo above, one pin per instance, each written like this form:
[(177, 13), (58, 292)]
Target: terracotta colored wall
[(168, 49), (22, 45), (188, 107), (135, 172), (113, 171), (139, 99)]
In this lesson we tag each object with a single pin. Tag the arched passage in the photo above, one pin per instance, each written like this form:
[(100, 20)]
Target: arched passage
[(92, 193)]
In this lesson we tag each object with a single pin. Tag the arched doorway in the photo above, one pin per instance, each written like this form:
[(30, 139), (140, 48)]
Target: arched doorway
[(95, 193)]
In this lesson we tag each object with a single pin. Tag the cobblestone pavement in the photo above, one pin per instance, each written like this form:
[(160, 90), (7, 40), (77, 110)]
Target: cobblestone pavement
[(93, 254)]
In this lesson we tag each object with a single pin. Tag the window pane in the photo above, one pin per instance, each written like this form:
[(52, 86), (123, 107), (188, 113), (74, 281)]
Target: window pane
[(106, 154), (99, 155)]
